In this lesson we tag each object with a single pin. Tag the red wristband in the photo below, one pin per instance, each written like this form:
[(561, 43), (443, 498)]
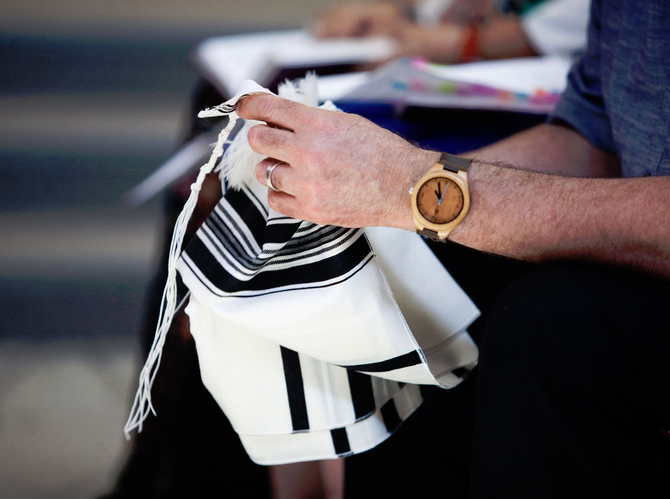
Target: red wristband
[(471, 51)]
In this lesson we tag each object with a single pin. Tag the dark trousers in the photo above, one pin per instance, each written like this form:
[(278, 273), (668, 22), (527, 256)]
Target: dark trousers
[(571, 397)]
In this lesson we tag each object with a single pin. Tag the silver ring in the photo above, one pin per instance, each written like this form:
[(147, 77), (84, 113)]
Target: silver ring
[(268, 176)]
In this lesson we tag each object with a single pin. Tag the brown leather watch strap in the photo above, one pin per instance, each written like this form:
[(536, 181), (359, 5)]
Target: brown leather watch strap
[(431, 234), (454, 163)]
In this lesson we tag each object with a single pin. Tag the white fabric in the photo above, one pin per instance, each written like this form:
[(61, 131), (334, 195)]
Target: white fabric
[(245, 375), (365, 435), (311, 349), (356, 320), (558, 27)]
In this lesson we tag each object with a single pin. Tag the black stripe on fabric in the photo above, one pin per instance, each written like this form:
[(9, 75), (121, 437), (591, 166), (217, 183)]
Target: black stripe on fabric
[(314, 272), (340, 442), (247, 190), (207, 262), (315, 238), (297, 249), (406, 360), (362, 396), (293, 255), (230, 238), (218, 293), (229, 259), (295, 389), (248, 211), (221, 235), (311, 273), (390, 416), (306, 227), (280, 232)]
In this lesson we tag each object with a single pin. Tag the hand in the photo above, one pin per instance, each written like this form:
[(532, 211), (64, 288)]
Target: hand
[(441, 44), (359, 20), (341, 169)]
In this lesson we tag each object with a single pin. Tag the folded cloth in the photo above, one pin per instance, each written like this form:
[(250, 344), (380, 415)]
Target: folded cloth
[(313, 343)]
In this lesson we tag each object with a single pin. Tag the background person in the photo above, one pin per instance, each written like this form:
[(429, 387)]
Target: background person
[(466, 30)]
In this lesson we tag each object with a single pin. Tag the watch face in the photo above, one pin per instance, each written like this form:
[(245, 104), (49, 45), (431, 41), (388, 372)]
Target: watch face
[(439, 200)]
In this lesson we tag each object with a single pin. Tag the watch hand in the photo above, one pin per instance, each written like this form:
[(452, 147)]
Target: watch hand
[(442, 196), (438, 191)]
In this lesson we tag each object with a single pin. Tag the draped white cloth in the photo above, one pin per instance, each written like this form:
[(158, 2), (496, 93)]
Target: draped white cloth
[(314, 339), (309, 346)]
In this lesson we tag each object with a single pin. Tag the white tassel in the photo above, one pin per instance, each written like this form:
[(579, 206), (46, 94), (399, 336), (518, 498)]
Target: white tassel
[(142, 404), (304, 90), (236, 167)]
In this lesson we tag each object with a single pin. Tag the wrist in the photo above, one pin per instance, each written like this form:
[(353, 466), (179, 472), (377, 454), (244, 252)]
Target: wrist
[(417, 168), (471, 49), (440, 200), (423, 162), (441, 44)]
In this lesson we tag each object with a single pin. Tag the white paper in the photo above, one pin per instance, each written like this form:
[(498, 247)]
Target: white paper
[(393, 83), (523, 75), (228, 60)]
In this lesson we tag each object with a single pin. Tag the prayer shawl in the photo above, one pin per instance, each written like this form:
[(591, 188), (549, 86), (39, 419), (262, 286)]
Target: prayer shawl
[(312, 339)]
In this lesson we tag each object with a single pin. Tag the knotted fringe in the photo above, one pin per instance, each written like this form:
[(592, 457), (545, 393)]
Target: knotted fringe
[(236, 167), (142, 405)]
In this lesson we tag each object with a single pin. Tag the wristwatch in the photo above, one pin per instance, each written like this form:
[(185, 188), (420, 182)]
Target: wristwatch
[(441, 199)]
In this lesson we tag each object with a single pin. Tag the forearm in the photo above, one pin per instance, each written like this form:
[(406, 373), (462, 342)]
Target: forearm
[(551, 149), (343, 170), (531, 199), (541, 217), (503, 38)]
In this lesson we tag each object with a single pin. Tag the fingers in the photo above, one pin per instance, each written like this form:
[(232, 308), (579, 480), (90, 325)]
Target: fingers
[(268, 176), (292, 128), (270, 141), (283, 203), (272, 110), (280, 200), (275, 175)]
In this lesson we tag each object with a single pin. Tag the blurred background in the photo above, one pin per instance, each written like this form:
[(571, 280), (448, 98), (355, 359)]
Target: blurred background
[(93, 98)]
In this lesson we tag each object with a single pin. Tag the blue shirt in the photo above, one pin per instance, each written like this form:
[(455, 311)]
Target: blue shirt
[(618, 93)]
